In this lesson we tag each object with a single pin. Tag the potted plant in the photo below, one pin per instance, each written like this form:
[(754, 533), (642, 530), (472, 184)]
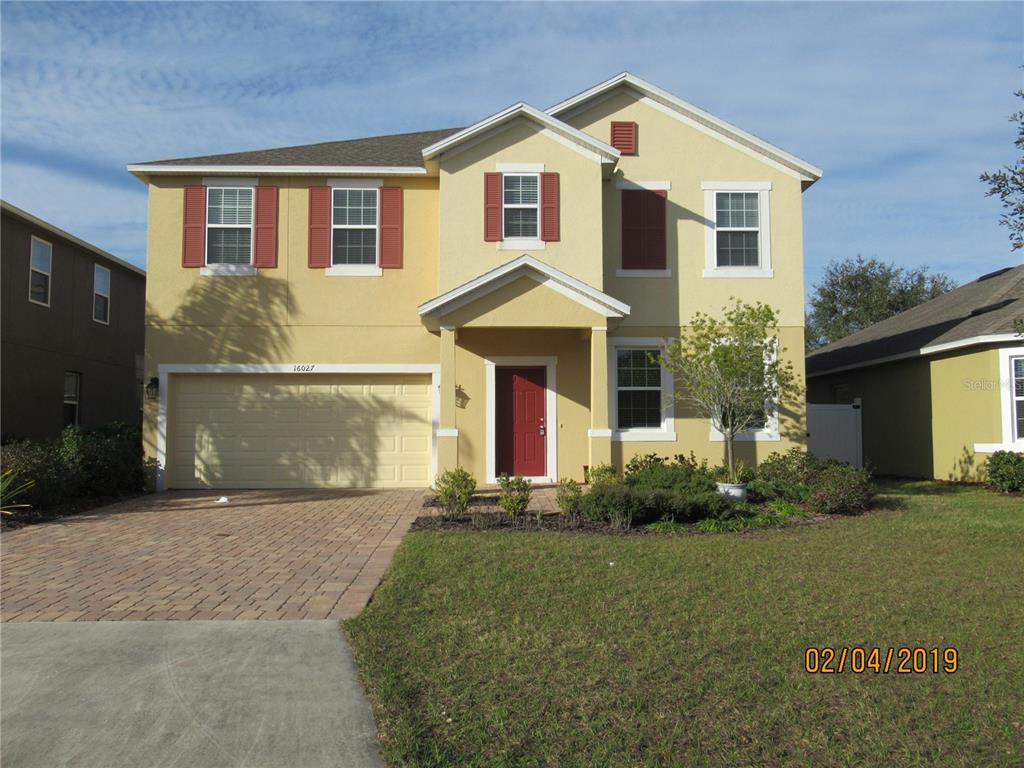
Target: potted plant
[(729, 370), (730, 482)]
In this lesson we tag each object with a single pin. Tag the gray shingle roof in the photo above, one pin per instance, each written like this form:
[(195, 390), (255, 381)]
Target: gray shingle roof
[(400, 149), (987, 306)]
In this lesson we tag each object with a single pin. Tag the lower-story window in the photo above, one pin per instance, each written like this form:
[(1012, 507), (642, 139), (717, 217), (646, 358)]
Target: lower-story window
[(1018, 396), (72, 397), (638, 389)]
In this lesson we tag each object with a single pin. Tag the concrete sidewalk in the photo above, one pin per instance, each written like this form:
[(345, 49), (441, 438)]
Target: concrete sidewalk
[(192, 694)]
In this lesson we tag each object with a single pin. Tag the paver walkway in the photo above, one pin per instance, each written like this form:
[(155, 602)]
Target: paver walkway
[(181, 555)]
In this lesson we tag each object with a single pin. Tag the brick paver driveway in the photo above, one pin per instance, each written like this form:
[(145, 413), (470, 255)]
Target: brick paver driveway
[(181, 555)]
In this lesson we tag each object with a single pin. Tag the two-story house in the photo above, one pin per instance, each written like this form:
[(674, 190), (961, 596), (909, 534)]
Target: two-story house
[(371, 312), (71, 333)]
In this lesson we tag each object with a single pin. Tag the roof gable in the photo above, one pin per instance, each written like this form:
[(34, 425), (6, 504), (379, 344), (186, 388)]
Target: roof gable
[(692, 115)]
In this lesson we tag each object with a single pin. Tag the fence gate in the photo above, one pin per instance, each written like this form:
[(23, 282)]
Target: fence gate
[(834, 431)]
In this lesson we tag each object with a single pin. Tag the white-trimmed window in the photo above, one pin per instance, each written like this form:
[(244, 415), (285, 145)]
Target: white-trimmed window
[(229, 230), (1011, 401), (738, 236), (72, 397), (640, 391), (768, 427), (354, 220), (101, 294), (521, 205), (1017, 364), (40, 268)]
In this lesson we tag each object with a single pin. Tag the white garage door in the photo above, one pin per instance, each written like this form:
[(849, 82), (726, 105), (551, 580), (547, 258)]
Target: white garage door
[(299, 431)]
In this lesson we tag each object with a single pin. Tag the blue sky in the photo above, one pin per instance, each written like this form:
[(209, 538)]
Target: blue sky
[(903, 105)]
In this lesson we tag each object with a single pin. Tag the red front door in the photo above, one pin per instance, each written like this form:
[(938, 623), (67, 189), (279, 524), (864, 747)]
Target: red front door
[(520, 442)]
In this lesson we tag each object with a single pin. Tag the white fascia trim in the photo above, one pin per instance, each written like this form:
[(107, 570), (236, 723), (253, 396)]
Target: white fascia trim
[(166, 370), (550, 365), (227, 270), (660, 186), (666, 433), (230, 181), (528, 266), (521, 244), (973, 341), (519, 167), (354, 183), (643, 273), (699, 117), (521, 109), (143, 170), (354, 270)]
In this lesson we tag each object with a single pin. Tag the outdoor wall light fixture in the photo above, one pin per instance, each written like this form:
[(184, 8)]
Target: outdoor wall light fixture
[(153, 389)]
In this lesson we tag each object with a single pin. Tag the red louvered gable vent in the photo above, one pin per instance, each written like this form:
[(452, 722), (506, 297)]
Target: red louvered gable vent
[(624, 137), (193, 253), (391, 227), (492, 207), (643, 229), (265, 248), (319, 227), (549, 207)]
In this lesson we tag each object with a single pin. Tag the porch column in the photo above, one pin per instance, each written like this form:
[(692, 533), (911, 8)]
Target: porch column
[(600, 435), (447, 434)]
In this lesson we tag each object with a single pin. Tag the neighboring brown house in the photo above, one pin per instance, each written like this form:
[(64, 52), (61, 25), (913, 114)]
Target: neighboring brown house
[(72, 331)]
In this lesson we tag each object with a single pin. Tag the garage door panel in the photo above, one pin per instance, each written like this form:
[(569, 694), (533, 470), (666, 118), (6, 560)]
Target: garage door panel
[(234, 431)]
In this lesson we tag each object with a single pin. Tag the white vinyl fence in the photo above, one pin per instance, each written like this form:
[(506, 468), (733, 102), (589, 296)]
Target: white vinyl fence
[(834, 431)]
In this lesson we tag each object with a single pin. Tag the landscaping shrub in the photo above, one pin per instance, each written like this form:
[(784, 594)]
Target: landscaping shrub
[(1006, 471), (611, 503), (569, 498), (103, 462), (666, 526), (454, 489), (515, 494), (794, 467), (767, 490), (603, 474), (683, 476), (839, 489)]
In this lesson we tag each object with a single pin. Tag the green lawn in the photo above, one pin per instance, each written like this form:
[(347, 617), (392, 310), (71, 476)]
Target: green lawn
[(505, 648)]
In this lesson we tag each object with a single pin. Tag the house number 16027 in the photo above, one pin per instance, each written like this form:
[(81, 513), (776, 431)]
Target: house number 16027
[(303, 368)]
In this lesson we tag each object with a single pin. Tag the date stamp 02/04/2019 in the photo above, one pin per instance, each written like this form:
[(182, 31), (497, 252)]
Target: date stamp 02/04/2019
[(902, 661)]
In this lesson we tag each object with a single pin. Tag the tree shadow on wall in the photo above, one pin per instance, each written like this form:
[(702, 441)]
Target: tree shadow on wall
[(275, 430)]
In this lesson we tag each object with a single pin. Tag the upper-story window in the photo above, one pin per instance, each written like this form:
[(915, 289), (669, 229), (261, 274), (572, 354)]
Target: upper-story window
[(101, 294), (229, 225), (40, 267), (354, 227), (521, 205), (738, 240)]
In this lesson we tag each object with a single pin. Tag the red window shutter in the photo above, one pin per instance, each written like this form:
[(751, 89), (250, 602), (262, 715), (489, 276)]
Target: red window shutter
[(624, 137), (492, 207), (193, 252), (643, 229), (265, 248), (549, 207), (390, 227), (319, 227)]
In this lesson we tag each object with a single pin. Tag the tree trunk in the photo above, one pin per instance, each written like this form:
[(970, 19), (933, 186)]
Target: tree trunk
[(728, 454)]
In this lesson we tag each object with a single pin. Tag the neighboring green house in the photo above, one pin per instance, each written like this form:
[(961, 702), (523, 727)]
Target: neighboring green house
[(941, 385)]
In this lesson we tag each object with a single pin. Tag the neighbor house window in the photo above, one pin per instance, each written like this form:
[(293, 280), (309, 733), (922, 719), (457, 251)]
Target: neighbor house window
[(1018, 396), (738, 229), (638, 389), (229, 225), (41, 263), (354, 231), (101, 294), (72, 396), (521, 204)]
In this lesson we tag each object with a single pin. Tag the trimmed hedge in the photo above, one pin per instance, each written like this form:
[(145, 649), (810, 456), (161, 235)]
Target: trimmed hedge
[(103, 462), (1006, 471), (624, 505)]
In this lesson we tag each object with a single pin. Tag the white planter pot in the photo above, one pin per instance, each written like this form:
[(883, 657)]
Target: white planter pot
[(734, 491)]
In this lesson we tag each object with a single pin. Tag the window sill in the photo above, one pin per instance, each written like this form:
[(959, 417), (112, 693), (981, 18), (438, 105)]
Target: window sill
[(643, 273), (993, 447), (100, 322), (643, 436), (738, 272), (521, 244), (354, 270), (228, 270)]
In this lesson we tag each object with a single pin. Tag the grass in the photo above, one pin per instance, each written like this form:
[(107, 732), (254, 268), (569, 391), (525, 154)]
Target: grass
[(498, 649)]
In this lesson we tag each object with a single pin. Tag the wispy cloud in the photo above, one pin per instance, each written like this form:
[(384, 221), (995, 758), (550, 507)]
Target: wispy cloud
[(901, 104)]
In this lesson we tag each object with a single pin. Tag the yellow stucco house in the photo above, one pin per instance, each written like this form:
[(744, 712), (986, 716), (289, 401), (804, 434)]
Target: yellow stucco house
[(940, 386), (371, 312)]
